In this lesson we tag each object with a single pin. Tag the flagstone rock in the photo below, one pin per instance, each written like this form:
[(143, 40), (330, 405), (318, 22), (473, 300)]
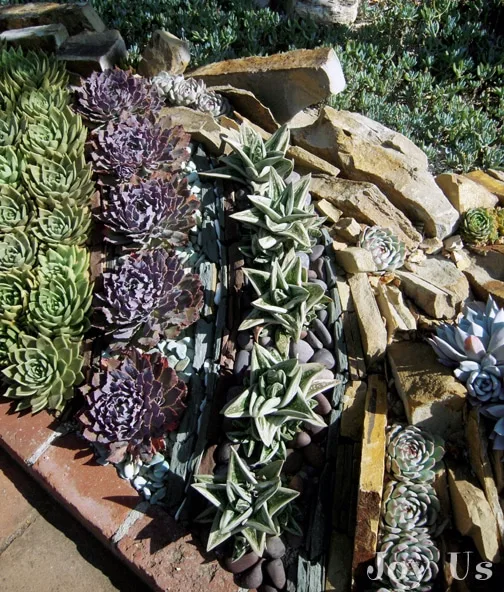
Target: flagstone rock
[(355, 260), (347, 229), (433, 398), (499, 175), (352, 415), (164, 53), (325, 208), (202, 126), (42, 38), (325, 11), (249, 106), (366, 203), (489, 182), (365, 150), (286, 82), (397, 315), (464, 193), (87, 52), (486, 276)]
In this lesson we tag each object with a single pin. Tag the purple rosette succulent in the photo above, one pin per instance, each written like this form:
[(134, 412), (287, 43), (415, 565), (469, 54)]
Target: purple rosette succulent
[(131, 404), (149, 213), (114, 94), (146, 297), (138, 147)]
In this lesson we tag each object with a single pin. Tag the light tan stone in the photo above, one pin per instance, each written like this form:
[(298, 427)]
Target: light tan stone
[(433, 399), (349, 230), (499, 175), (325, 208), (42, 38), (472, 512), (325, 11), (431, 246), (372, 469), (397, 315), (367, 204), (371, 325), (88, 52), (164, 53), (365, 150), (489, 182), (464, 193), (355, 260), (484, 285), (352, 415), (249, 106), (286, 83)]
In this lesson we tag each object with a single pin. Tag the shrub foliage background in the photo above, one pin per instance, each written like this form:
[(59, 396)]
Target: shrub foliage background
[(433, 70)]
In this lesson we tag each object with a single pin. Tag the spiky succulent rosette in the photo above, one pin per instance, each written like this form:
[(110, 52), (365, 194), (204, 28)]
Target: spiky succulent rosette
[(131, 404), (15, 209), (50, 183), (286, 298), (65, 225), (410, 561), (34, 104), (17, 250), (253, 158), (110, 95), (387, 250), (474, 346), (478, 226), (247, 502), (54, 136), (9, 128), (213, 103), (413, 454), (15, 286), (146, 297), (138, 147), (10, 166), (408, 506), (42, 372), (63, 262), (149, 213), (9, 337), (280, 392)]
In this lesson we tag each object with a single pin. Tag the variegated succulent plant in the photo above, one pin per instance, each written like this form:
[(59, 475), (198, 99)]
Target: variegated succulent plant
[(280, 393), (387, 250), (286, 298), (409, 506), (246, 502)]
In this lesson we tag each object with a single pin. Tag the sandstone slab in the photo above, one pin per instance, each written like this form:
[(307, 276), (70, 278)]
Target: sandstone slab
[(46, 38), (365, 150), (486, 276), (472, 512), (164, 53), (433, 399), (489, 182), (249, 106), (325, 11), (349, 230), (76, 18), (398, 317), (367, 204), (352, 415), (372, 328), (286, 83), (355, 260), (88, 52), (325, 208), (499, 175), (464, 193)]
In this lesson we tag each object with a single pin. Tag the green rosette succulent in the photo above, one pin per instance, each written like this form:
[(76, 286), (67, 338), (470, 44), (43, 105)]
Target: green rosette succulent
[(253, 159), (410, 561), (15, 209), (60, 133), (34, 104), (247, 503), (280, 220), (63, 262), (408, 506), (51, 183), (9, 128), (10, 166), (478, 227), (42, 372), (17, 250), (286, 298), (413, 454), (280, 394), (9, 338), (499, 220), (66, 225), (15, 286)]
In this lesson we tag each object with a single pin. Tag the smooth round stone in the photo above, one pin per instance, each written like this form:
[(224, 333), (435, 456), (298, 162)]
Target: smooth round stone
[(322, 315), (276, 573), (323, 406), (314, 456), (318, 268), (302, 351), (275, 548), (222, 453), (322, 333), (300, 440), (244, 340), (242, 362), (313, 341), (240, 565), (312, 275), (317, 251), (296, 483), (293, 462), (324, 356), (320, 283), (326, 374), (266, 341), (317, 433), (252, 578), (292, 178), (305, 260)]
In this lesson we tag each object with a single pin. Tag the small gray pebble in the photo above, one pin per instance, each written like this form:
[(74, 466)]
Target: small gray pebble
[(302, 351), (301, 439), (322, 315), (312, 275), (293, 462), (322, 332), (275, 548), (242, 362), (292, 178), (276, 573), (245, 562), (326, 374), (318, 268), (266, 341), (320, 283), (244, 340), (323, 406), (305, 260), (318, 251), (222, 453), (324, 356), (252, 578), (312, 340)]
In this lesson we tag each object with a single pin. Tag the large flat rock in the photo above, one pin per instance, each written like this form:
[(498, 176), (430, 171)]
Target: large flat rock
[(285, 82), (43, 37), (89, 52), (464, 193), (365, 150)]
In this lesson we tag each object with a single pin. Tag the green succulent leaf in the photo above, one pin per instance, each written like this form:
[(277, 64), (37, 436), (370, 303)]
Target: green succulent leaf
[(10, 166), (9, 128), (66, 225), (9, 337), (17, 251), (15, 286), (15, 209), (33, 105)]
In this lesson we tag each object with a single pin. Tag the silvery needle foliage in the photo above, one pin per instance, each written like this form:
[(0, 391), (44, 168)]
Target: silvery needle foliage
[(247, 502)]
